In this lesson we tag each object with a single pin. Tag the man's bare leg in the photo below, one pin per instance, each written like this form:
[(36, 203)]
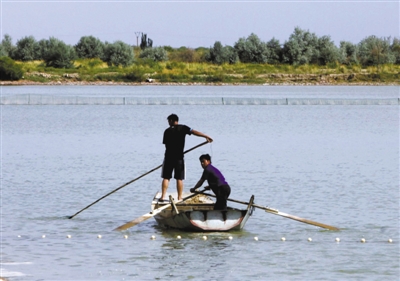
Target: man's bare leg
[(179, 188), (164, 188)]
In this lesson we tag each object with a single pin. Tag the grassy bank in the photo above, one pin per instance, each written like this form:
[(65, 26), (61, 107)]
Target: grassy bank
[(96, 71)]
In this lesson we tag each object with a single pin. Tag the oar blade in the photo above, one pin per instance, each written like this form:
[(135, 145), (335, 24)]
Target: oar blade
[(143, 218), (306, 221)]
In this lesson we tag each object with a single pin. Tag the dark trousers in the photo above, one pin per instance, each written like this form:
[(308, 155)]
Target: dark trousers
[(222, 193)]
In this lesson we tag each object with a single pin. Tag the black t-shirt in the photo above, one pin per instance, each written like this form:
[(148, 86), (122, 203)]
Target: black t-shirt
[(174, 140)]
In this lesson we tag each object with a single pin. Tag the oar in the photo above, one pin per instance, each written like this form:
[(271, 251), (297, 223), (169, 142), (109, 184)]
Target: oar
[(152, 213), (276, 212), (129, 182)]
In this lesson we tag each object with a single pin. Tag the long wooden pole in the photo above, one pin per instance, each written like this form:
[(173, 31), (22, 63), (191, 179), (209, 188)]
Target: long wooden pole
[(276, 212), (129, 182), (151, 214)]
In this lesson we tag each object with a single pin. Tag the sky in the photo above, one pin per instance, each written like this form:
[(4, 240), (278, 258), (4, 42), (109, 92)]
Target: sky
[(195, 23)]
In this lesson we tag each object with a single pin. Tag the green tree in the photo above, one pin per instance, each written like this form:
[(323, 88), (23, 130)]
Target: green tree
[(219, 54), (395, 48), (3, 52), (27, 49), (168, 48), (301, 48), (275, 51), (9, 70), (348, 53), (118, 53), (7, 47), (154, 54), (58, 54), (89, 47), (375, 51), (43, 48), (252, 50), (145, 43), (327, 51)]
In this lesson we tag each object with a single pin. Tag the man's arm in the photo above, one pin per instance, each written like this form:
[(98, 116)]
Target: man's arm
[(200, 134), (198, 184)]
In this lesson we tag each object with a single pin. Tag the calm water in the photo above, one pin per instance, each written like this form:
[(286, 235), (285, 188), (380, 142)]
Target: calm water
[(334, 164)]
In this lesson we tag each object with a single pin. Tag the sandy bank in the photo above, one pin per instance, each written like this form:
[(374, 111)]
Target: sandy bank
[(111, 83)]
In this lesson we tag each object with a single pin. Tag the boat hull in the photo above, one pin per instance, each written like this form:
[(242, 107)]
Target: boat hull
[(205, 220), (200, 217)]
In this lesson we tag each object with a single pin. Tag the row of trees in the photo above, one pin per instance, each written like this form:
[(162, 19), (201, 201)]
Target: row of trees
[(302, 47), (55, 53)]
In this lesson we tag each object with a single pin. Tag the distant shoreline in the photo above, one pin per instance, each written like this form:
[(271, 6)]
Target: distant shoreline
[(202, 74), (111, 83)]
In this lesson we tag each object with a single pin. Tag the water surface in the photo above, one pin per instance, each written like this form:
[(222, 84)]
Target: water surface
[(335, 164)]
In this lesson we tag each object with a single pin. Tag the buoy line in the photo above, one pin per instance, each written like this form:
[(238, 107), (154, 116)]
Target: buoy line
[(230, 238)]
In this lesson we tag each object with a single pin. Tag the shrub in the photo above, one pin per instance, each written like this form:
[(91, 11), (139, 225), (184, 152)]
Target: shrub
[(168, 48), (7, 47), (184, 54), (301, 48), (154, 54), (395, 48), (3, 52), (149, 65), (275, 51), (117, 54), (9, 70), (95, 63), (252, 50), (135, 76), (304, 47), (327, 51), (348, 53), (27, 49), (163, 77), (43, 47), (219, 54), (175, 65), (375, 51), (58, 54), (89, 47)]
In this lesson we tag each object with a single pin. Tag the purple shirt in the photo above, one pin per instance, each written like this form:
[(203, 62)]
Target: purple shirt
[(213, 176)]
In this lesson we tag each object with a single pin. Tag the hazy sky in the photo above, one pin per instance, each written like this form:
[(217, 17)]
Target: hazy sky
[(194, 23)]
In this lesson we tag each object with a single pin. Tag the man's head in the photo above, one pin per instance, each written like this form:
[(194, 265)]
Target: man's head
[(172, 119), (205, 160)]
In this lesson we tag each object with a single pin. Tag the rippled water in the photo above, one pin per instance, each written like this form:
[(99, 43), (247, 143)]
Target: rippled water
[(334, 164)]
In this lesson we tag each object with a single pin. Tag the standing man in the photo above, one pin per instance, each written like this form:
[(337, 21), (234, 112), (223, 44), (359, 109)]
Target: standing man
[(216, 182), (174, 140)]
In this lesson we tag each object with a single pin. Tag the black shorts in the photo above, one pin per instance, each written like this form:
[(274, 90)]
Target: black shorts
[(178, 166)]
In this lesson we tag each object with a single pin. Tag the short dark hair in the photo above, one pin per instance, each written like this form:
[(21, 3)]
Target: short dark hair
[(206, 157), (173, 117)]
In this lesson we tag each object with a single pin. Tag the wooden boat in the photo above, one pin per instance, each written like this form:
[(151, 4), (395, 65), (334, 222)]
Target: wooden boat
[(197, 214)]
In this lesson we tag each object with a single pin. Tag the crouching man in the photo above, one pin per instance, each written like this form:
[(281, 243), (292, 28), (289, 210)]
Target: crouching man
[(216, 182)]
